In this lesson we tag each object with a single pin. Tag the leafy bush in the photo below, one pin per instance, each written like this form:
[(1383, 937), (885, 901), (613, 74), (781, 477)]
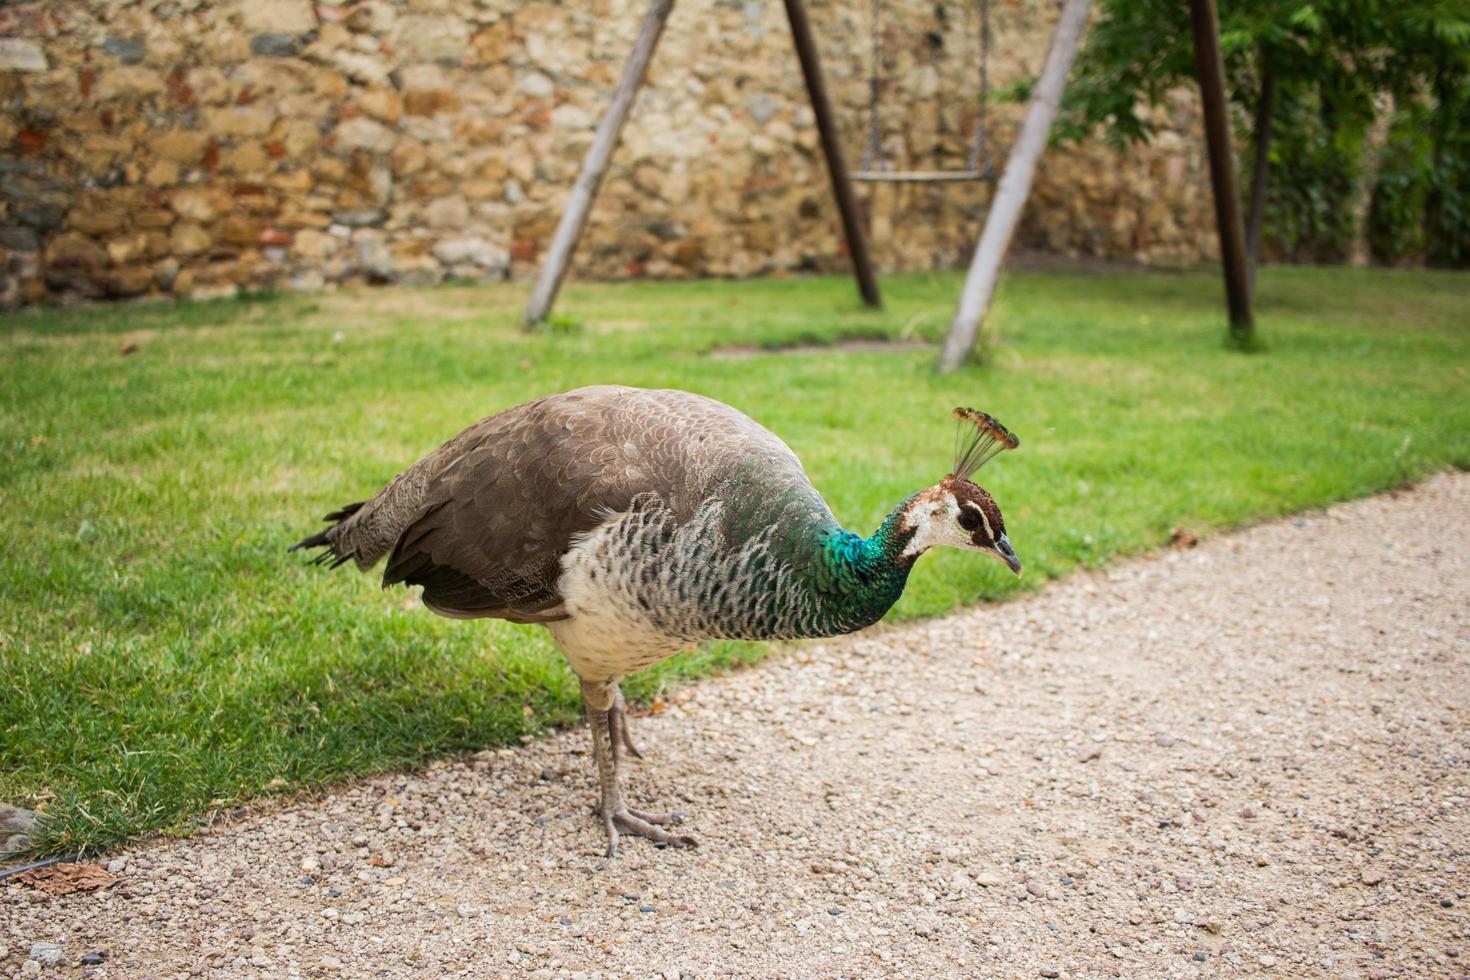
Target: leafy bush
[(1335, 64)]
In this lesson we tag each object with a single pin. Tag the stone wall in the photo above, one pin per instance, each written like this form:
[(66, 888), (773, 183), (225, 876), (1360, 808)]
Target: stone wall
[(197, 147)]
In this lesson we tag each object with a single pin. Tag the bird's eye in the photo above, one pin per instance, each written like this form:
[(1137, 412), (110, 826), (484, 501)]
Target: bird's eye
[(969, 519)]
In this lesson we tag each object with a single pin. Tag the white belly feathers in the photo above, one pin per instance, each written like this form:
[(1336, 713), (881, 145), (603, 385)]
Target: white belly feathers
[(609, 633)]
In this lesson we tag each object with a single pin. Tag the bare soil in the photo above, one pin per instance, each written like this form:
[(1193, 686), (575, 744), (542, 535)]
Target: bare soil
[(740, 352), (1246, 757)]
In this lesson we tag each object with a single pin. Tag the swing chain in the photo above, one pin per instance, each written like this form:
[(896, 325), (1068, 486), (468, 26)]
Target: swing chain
[(979, 161), (873, 151)]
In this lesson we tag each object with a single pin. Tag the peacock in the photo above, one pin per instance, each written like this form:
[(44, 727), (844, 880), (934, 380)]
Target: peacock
[(634, 523)]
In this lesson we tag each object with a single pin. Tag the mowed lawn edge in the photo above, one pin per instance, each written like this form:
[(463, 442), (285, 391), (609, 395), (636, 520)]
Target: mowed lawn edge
[(162, 659)]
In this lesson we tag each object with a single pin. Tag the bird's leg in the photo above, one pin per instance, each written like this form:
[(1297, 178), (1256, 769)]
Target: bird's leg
[(617, 723), (620, 740), (617, 818)]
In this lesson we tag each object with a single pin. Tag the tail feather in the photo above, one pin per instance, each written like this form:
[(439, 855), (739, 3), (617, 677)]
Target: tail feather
[(323, 539), (342, 513)]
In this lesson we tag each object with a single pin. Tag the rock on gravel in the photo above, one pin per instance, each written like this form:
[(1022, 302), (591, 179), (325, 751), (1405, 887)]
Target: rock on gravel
[(47, 954), (1282, 786), (15, 828)]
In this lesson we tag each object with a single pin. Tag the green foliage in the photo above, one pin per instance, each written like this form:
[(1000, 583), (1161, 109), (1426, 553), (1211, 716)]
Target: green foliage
[(1335, 62), (1134, 55), (1314, 172), (162, 658), (1421, 206), (1402, 194)]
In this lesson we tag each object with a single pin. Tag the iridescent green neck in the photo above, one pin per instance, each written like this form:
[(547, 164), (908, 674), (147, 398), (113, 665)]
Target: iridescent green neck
[(859, 579)]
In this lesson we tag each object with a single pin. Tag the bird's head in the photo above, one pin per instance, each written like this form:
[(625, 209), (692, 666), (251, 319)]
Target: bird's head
[(956, 511)]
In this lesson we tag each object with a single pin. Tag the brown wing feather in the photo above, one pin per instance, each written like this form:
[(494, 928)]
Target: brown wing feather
[(482, 523), (493, 524)]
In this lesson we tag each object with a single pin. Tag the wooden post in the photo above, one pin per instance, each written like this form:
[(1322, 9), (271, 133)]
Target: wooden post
[(1015, 185), (816, 87), (1208, 61), (574, 219)]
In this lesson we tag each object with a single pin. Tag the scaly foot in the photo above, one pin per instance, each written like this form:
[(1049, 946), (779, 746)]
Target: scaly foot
[(609, 738), (635, 823)]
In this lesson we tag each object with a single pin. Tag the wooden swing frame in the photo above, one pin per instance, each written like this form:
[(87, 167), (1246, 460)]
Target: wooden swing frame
[(1010, 195)]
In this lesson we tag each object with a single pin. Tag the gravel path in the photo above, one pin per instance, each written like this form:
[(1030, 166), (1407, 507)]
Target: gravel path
[(1248, 757)]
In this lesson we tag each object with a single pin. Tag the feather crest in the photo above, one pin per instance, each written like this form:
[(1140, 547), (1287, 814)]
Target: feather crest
[(979, 438)]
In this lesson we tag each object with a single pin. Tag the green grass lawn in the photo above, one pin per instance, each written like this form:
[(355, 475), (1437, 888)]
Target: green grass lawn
[(161, 657)]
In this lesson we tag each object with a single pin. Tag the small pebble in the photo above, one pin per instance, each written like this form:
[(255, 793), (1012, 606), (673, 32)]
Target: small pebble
[(93, 959), (1201, 956)]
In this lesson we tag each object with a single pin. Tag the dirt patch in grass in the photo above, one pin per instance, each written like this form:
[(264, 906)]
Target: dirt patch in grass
[(741, 352)]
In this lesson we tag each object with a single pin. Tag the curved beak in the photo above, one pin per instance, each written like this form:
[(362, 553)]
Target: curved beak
[(1007, 554)]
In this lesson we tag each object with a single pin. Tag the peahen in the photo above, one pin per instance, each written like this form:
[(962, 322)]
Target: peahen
[(635, 523)]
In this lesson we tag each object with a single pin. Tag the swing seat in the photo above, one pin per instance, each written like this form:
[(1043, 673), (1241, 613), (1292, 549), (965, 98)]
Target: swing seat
[(921, 176)]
